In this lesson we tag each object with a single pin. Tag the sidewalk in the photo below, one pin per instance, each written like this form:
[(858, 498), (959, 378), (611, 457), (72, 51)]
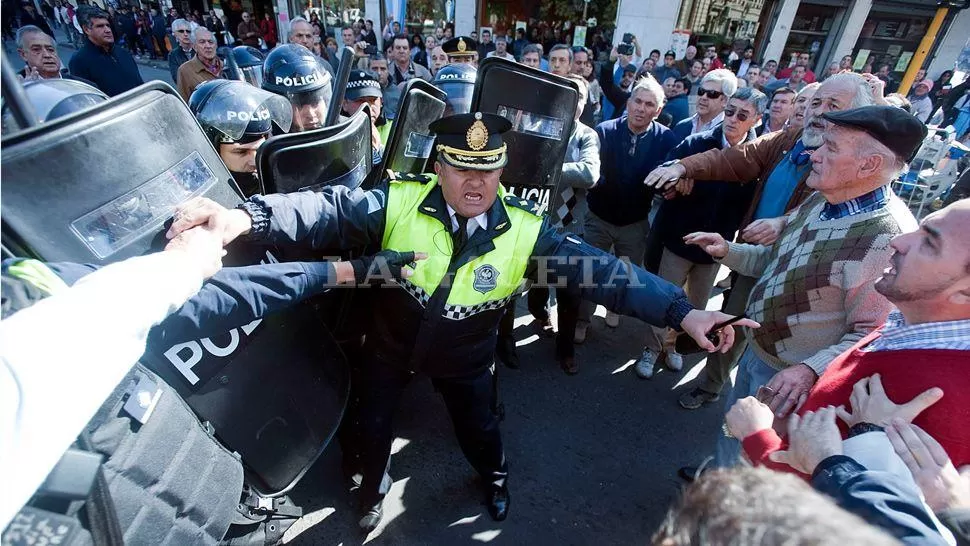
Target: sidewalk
[(63, 40)]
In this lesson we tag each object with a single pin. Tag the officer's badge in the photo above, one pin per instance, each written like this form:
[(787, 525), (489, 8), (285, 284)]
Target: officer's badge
[(486, 279), (461, 45), (477, 135)]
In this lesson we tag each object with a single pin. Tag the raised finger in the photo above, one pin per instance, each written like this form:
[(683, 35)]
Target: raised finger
[(934, 448)]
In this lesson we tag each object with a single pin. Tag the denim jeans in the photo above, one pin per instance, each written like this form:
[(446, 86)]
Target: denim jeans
[(752, 373)]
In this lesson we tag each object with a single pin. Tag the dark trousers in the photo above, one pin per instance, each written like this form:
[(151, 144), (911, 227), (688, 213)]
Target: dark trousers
[(568, 310), (469, 400)]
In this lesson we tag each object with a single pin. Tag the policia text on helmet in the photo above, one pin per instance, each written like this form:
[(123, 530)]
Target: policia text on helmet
[(295, 73), (238, 118)]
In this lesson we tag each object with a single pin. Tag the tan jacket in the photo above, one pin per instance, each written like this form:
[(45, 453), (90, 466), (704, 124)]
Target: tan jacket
[(751, 161), (193, 74)]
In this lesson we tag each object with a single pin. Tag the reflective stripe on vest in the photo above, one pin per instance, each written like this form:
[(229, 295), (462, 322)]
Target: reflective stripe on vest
[(37, 274), (484, 283), (384, 131)]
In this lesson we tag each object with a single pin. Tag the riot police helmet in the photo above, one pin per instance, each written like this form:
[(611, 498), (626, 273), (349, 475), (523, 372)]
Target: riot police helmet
[(458, 82), (52, 99), (294, 72), (233, 111), (244, 63)]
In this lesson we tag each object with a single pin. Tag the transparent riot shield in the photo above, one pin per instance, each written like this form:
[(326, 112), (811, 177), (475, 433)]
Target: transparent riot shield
[(99, 186), (338, 155)]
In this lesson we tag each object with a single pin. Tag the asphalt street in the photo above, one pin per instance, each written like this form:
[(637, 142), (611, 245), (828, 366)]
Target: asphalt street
[(593, 457)]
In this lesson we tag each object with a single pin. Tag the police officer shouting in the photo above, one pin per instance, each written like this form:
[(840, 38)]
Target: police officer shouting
[(482, 246)]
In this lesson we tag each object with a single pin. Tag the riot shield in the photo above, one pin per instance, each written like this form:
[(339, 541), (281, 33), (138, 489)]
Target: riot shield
[(274, 390), (410, 143), (542, 109), (339, 155)]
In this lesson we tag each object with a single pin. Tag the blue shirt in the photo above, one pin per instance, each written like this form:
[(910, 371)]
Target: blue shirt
[(782, 181), (874, 200), (620, 197), (897, 335), (113, 71)]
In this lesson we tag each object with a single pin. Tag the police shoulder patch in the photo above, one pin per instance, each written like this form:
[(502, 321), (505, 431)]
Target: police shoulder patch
[(395, 176), (524, 204)]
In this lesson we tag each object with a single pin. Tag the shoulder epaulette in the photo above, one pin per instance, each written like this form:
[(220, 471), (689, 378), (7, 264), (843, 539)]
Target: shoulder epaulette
[(395, 176), (524, 204)]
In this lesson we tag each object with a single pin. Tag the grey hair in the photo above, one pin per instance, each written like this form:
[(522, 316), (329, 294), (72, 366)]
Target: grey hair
[(752, 96), (648, 83), (863, 93), (532, 48), (181, 23), (294, 21), (23, 31), (197, 30), (724, 78), (561, 47), (869, 146)]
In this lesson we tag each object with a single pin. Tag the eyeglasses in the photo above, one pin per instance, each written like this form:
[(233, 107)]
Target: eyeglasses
[(731, 112), (701, 92), (180, 31)]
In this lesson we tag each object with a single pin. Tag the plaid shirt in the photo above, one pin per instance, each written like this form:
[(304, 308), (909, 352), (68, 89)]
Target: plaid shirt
[(898, 336), (874, 200)]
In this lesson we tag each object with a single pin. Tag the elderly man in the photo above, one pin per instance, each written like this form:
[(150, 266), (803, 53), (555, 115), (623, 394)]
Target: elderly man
[(924, 344), (922, 104), (560, 60), (502, 48), (112, 69), (301, 32), (442, 320), (39, 53), (247, 31), (205, 66), (690, 55), (779, 112), (712, 96), (619, 204), (711, 206), (778, 164), (403, 68), (183, 51), (814, 293)]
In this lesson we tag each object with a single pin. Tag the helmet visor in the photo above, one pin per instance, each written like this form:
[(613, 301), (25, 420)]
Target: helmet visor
[(237, 109), (459, 99), (310, 108)]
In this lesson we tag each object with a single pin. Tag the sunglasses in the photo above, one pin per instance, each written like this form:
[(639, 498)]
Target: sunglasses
[(701, 92), (730, 113)]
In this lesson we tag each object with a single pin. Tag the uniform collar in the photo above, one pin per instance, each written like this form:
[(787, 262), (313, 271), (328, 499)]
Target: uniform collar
[(493, 223), (480, 221)]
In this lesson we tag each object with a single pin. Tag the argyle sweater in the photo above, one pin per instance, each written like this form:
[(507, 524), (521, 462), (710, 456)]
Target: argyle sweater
[(815, 295)]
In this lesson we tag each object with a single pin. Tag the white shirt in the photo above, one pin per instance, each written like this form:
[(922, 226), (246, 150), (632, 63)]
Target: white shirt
[(707, 126), (62, 357), (507, 55), (480, 221), (726, 144), (743, 68)]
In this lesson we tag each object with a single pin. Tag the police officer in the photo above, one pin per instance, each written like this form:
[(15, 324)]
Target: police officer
[(238, 118), (443, 320), (294, 72), (52, 99), (461, 50), (363, 87), (243, 63), (458, 83)]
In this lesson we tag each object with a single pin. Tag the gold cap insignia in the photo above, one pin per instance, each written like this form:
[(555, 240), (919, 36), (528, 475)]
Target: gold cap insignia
[(477, 135), (461, 45)]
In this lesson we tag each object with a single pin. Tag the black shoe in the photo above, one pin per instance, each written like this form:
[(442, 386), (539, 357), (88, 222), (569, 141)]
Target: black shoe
[(498, 502), (690, 473), (506, 353), (371, 517)]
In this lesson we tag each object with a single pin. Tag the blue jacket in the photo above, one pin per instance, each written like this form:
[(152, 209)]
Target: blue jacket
[(416, 335), (682, 129), (880, 498), (114, 71), (620, 197), (713, 205), (678, 108)]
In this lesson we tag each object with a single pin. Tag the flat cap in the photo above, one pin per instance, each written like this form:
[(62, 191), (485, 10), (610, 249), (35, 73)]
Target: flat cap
[(895, 128), (472, 141)]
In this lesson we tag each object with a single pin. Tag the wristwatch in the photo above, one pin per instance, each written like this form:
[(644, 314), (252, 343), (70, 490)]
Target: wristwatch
[(862, 428)]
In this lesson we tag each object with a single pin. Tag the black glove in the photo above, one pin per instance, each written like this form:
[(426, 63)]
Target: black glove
[(381, 266)]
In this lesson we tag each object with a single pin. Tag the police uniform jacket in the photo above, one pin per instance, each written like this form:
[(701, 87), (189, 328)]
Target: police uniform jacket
[(443, 320)]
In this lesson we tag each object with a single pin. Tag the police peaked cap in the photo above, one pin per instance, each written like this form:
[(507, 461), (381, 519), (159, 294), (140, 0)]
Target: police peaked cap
[(460, 45), (292, 68), (895, 128), (362, 83), (472, 141)]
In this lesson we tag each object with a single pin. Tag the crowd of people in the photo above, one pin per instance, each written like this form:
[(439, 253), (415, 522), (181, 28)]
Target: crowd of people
[(850, 365)]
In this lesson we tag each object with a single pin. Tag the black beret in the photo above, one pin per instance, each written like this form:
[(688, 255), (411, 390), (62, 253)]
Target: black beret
[(895, 128), (472, 141), (460, 45), (362, 83)]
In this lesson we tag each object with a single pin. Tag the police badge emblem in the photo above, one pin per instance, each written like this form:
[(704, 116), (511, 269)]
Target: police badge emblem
[(486, 279), (477, 135), (461, 45)]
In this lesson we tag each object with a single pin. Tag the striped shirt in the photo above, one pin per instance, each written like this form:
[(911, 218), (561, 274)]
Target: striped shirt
[(896, 335)]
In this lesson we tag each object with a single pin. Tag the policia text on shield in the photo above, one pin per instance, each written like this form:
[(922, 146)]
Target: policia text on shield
[(482, 247)]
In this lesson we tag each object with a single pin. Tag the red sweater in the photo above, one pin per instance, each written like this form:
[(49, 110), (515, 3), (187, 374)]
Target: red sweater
[(905, 374)]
